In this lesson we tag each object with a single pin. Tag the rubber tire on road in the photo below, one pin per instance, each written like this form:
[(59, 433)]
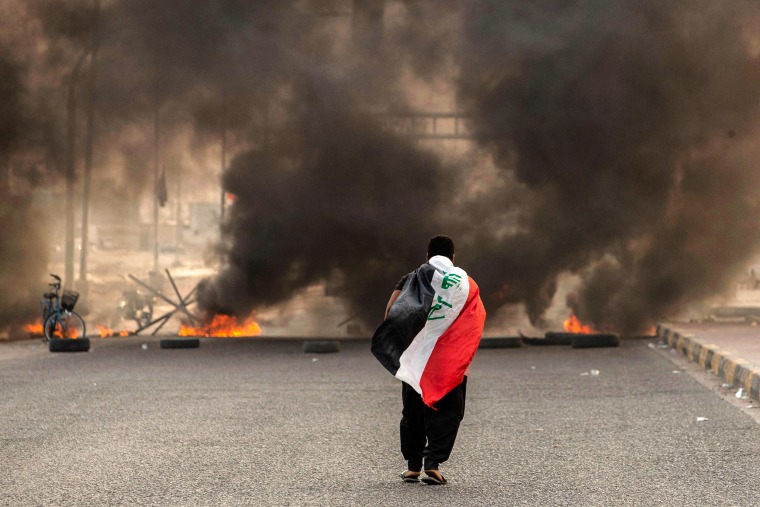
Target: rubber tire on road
[(550, 339), (580, 341), (508, 342), (180, 343), (69, 344), (558, 337), (321, 346)]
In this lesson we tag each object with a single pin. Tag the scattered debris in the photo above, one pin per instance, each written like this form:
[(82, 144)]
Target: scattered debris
[(701, 419), (741, 393), (145, 346), (594, 373), (727, 386)]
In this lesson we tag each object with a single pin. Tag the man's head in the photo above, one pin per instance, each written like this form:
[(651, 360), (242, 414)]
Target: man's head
[(441, 245)]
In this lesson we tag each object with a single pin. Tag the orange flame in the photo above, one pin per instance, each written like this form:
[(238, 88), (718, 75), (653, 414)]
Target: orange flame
[(70, 333), (37, 330), (573, 325), (107, 332), (34, 329), (224, 326)]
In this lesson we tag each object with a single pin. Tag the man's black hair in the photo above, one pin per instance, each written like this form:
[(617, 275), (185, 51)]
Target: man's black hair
[(441, 245)]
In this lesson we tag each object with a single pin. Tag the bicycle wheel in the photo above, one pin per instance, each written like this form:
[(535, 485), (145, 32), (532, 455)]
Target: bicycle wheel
[(69, 325)]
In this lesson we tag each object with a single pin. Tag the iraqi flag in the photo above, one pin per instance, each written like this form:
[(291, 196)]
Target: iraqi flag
[(433, 329)]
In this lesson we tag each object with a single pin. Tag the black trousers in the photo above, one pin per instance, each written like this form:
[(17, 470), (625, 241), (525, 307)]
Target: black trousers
[(428, 434)]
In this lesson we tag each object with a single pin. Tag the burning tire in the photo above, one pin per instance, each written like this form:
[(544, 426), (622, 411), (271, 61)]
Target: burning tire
[(320, 347), (579, 341), (550, 338), (181, 343), (509, 342), (559, 338), (69, 344)]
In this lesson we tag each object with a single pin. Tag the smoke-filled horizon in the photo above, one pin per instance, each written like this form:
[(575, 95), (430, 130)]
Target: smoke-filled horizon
[(621, 134)]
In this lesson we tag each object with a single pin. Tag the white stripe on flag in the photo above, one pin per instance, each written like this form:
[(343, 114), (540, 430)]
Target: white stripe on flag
[(448, 301)]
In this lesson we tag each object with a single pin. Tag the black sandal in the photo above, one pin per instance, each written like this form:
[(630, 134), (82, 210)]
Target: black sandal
[(433, 478)]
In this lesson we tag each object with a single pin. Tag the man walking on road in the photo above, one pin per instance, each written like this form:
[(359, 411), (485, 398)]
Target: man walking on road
[(433, 324)]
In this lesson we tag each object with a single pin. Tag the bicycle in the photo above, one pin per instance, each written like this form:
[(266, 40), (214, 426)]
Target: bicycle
[(59, 320)]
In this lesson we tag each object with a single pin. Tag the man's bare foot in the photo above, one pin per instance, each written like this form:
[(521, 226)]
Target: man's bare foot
[(409, 476), (433, 478)]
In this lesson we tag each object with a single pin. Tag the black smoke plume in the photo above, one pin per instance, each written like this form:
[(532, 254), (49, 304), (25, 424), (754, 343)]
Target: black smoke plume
[(23, 251), (630, 124), (337, 200), (623, 131)]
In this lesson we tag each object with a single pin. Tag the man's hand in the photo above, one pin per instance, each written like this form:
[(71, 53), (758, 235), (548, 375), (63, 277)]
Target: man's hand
[(394, 297)]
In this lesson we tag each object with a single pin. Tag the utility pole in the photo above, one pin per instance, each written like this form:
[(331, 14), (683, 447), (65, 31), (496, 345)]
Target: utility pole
[(156, 169), (89, 141), (178, 217), (71, 107)]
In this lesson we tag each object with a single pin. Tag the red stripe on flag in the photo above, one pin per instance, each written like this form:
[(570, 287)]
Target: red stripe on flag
[(454, 350)]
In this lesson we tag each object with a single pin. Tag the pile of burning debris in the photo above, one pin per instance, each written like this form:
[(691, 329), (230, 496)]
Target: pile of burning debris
[(139, 307)]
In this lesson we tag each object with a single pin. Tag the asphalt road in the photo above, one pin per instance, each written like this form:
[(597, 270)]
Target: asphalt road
[(251, 422)]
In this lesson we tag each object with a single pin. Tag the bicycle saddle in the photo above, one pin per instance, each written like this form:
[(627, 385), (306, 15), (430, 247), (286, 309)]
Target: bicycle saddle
[(49, 295)]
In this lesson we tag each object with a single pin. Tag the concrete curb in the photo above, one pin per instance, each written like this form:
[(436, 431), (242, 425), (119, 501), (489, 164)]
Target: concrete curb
[(727, 366)]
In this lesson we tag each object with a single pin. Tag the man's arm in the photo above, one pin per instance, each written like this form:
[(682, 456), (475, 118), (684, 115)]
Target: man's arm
[(394, 296)]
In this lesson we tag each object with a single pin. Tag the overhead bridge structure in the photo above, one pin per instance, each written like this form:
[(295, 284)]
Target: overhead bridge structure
[(429, 125)]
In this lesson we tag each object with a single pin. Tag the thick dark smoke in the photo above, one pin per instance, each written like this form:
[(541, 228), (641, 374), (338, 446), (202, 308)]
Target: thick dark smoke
[(628, 124), (338, 201), (332, 196), (622, 133), (23, 251)]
